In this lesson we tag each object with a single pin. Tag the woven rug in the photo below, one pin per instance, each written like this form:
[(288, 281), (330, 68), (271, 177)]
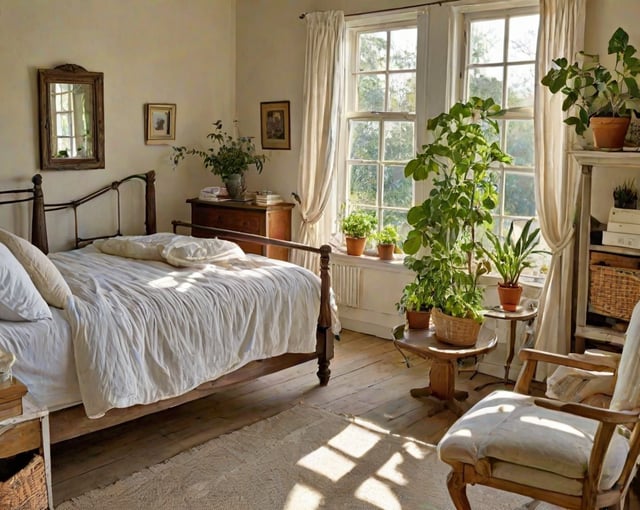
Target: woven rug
[(301, 459)]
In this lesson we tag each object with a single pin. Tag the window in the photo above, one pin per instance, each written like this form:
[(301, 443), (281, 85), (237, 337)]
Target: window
[(380, 121), (500, 58)]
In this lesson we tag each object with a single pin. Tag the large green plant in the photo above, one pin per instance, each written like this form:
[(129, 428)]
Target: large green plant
[(463, 194), (226, 156), (511, 256), (591, 89)]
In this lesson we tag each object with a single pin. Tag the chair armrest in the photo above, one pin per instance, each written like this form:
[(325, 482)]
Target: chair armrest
[(594, 413), (531, 357), (562, 359)]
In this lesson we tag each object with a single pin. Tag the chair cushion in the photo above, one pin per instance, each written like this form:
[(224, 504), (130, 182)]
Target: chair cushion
[(508, 427)]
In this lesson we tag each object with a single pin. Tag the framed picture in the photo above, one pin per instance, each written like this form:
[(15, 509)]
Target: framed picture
[(160, 123), (274, 125)]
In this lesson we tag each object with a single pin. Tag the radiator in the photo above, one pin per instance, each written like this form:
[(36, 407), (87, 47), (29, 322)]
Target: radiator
[(345, 280)]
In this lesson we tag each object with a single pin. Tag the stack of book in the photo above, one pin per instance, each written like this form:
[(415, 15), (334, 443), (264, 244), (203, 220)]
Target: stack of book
[(623, 228), (267, 198)]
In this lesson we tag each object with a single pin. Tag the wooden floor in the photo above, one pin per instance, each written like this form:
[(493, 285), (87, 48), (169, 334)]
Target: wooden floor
[(368, 379)]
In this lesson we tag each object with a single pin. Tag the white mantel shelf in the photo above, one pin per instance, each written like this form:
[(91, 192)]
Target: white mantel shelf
[(621, 159)]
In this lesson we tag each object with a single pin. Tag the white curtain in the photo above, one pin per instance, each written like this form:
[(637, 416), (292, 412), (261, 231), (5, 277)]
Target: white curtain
[(323, 97), (557, 174)]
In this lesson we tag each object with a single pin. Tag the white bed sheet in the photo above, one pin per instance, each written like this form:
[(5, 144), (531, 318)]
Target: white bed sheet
[(144, 331), (44, 359)]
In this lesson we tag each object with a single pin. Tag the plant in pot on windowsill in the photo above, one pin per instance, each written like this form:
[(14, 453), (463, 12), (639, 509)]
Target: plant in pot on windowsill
[(386, 240), (510, 257), (447, 223), (228, 157), (600, 98), (625, 195), (357, 226)]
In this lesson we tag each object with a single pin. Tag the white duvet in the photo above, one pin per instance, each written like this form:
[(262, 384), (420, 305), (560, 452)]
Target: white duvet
[(144, 331)]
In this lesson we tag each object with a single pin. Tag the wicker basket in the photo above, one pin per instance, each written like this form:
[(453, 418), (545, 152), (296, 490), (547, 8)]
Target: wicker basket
[(455, 330), (613, 291), (27, 489)]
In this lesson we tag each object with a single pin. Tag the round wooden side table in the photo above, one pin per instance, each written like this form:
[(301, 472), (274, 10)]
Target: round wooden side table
[(523, 314), (444, 357)]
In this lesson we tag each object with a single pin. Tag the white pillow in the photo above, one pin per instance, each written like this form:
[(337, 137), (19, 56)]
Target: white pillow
[(19, 298), (43, 273)]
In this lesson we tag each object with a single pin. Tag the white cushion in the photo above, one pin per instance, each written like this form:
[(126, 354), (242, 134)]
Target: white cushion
[(43, 273), (509, 427), (19, 298)]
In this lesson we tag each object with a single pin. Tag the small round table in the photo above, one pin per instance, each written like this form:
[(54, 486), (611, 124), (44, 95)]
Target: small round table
[(521, 314), (444, 357)]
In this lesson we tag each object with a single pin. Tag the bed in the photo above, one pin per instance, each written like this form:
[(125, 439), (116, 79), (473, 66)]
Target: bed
[(175, 319)]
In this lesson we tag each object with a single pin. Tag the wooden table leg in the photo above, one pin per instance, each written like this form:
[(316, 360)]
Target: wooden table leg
[(441, 388)]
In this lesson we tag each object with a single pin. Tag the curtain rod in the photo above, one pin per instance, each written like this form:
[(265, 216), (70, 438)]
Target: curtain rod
[(437, 2)]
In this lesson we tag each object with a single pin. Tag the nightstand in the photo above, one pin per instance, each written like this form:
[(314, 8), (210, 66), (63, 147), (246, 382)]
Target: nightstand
[(272, 221), (26, 432)]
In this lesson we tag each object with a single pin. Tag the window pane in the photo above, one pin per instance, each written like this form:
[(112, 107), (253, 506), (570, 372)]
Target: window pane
[(62, 125), (519, 195), (365, 140), (397, 190), (486, 83), (496, 178), (398, 219), (402, 92), (520, 82), (398, 141), (364, 184), (371, 93), (523, 38), (487, 41), (373, 52), (402, 49), (520, 142)]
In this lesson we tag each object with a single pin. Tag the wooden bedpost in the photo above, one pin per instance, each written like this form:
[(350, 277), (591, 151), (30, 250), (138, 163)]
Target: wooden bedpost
[(150, 203), (38, 220), (324, 335)]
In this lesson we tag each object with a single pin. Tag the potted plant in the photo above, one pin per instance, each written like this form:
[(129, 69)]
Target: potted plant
[(459, 205), (228, 157), (625, 195), (416, 300), (357, 226), (510, 257), (602, 99), (386, 242)]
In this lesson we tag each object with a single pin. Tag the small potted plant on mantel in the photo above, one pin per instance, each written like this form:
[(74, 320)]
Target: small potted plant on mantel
[(228, 157), (357, 226), (600, 98), (510, 257), (386, 239), (625, 195)]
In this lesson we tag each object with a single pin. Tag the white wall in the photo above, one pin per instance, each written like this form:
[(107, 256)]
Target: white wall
[(170, 51)]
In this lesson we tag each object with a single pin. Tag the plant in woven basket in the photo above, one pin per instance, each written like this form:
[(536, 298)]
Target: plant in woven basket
[(463, 194)]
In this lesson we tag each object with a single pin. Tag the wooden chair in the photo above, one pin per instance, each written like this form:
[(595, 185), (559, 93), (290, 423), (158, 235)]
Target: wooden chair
[(568, 454)]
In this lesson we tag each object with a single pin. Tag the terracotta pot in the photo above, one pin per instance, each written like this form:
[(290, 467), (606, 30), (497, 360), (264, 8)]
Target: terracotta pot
[(609, 132), (509, 297), (355, 245), (418, 319), (385, 251)]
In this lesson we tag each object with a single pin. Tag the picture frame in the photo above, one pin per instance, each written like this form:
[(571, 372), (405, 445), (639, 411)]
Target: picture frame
[(160, 123), (275, 130)]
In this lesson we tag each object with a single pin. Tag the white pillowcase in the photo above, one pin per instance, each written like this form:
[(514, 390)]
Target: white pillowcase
[(19, 298), (43, 273)]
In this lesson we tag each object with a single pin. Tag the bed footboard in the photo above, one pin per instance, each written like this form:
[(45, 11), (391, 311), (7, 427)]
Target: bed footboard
[(324, 335)]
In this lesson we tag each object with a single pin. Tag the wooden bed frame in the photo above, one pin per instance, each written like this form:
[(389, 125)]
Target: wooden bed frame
[(73, 422)]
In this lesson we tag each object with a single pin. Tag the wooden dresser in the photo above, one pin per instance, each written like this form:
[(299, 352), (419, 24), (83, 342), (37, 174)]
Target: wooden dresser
[(270, 221)]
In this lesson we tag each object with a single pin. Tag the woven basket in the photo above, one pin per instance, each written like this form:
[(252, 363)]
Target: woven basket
[(27, 489), (613, 291), (455, 330)]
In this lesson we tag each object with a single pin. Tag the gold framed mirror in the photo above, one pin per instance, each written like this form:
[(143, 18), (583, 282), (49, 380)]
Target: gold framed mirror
[(71, 113)]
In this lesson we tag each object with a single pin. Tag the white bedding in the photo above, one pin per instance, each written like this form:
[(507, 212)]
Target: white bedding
[(145, 331)]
